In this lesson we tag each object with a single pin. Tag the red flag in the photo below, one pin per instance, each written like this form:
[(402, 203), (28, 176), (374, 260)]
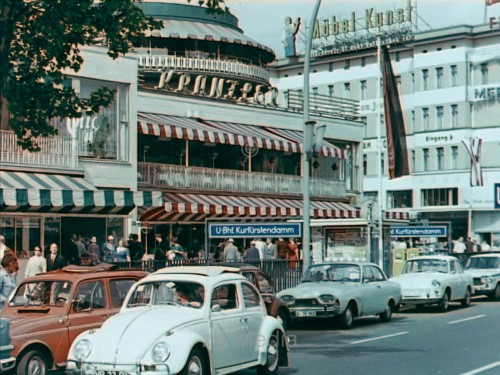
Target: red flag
[(394, 123), (492, 2)]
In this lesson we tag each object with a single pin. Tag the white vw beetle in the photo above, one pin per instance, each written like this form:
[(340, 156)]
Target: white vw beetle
[(184, 320), (485, 269), (436, 279)]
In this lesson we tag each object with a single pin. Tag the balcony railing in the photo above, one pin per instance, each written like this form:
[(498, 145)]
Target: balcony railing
[(56, 152), (322, 105), (196, 178), (158, 62)]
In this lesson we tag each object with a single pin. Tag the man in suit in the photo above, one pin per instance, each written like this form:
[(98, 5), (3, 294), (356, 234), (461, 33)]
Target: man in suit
[(54, 260)]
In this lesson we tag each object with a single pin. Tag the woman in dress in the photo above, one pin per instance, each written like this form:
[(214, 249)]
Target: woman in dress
[(36, 264), (122, 252)]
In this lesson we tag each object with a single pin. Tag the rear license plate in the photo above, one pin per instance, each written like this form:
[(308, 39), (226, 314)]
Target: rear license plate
[(304, 314), (109, 372)]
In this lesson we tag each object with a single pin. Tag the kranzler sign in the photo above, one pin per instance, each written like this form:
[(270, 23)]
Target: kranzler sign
[(223, 230)]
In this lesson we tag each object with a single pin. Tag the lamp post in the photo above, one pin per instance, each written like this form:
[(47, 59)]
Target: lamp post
[(307, 145)]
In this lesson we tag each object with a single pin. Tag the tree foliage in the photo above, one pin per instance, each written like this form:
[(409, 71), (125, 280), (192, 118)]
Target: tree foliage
[(39, 40)]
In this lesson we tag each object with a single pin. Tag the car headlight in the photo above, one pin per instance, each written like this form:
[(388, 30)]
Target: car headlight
[(289, 300), (436, 283), (327, 298), (486, 280), (161, 351), (82, 349)]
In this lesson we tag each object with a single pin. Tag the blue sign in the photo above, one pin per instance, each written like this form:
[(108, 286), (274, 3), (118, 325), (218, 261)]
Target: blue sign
[(222, 230), (497, 195), (428, 231)]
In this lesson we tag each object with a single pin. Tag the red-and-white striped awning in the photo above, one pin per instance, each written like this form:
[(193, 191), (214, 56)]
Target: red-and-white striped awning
[(226, 133), (397, 215), (197, 207)]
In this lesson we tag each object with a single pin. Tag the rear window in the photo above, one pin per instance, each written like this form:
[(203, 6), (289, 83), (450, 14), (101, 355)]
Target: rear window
[(42, 293)]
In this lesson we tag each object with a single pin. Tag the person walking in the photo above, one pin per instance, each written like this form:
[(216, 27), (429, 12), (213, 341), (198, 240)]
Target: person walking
[(108, 250), (231, 253), (36, 264), (252, 254), (293, 254), (55, 261), (94, 252), (8, 273)]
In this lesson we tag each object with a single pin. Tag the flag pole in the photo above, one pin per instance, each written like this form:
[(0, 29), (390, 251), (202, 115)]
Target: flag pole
[(379, 136)]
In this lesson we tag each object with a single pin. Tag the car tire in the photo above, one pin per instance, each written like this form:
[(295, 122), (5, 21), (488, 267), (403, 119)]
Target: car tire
[(386, 316), (273, 356), (32, 362), (347, 318), (495, 296), (466, 301), (283, 319), (444, 303), (196, 363)]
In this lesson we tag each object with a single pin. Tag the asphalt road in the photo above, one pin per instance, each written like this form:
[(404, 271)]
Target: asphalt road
[(463, 341)]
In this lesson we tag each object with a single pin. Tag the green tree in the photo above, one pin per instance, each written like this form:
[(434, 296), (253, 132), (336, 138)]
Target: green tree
[(39, 40)]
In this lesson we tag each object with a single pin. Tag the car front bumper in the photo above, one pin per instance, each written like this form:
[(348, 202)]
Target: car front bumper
[(116, 369), (326, 311), (421, 296)]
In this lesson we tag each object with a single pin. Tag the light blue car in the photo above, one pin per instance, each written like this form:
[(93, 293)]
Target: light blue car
[(7, 362)]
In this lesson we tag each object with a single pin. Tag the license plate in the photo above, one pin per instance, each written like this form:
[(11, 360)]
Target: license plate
[(109, 372), (303, 314)]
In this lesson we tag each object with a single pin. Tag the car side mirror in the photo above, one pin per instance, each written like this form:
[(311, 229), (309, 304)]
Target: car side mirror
[(216, 308)]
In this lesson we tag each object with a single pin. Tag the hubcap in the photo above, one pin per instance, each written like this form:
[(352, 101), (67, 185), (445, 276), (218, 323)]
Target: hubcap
[(195, 367), (36, 367), (272, 354), (348, 316)]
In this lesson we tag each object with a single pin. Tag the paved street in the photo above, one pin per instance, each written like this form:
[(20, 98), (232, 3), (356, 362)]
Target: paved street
[(416, 342)]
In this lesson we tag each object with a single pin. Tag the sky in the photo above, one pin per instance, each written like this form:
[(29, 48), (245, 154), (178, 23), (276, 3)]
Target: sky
[(263, 20)]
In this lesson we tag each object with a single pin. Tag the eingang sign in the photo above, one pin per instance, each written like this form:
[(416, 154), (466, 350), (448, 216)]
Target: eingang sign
[(258, 230)]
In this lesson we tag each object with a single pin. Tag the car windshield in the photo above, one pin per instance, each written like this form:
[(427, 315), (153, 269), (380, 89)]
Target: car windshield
[(168, 292), (42, 293), (483, 263), (333, 272), (425, 265)]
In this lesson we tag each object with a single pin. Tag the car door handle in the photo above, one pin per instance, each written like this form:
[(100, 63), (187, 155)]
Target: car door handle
[(244, 320)]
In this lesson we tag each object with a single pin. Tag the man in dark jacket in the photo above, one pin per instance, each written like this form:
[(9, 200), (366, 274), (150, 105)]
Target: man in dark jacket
[(135, 247), (54, 260), (252, 253)]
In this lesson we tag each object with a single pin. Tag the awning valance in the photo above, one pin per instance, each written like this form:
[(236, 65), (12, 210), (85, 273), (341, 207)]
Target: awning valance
[(227, 133), (25, 180), (197, 207), (110, 202), (397, 215)]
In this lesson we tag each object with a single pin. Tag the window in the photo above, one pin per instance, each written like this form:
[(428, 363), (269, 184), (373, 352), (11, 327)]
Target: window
[(330, 67), (454, 157), (413, 160), (413, 120), (368, 274), (347, 64), (365, 165), (330, 90), (440, 197), (484, 74), (119, 289), (315, 91), (377, 274), (454, 74), (439, 78), (440, 158), (225, 296), (439, 117), (425, 118), (425, 79), (347, 90), (250, 296), (362, 90), (426, 159), (454, 116), (413, 82), (363, 61), (265, 285), (399, 199), (90, 295)]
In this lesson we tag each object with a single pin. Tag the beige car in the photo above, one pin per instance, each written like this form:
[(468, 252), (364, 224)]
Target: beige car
[(48, 311)]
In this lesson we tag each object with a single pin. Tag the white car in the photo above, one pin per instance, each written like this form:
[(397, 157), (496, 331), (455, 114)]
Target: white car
[(436, 279), (185, 320), (485, 269)]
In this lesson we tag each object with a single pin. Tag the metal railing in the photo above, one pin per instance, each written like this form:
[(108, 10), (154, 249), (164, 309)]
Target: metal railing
[(322, 105), (156, 62), (198, 178), (55, 152)]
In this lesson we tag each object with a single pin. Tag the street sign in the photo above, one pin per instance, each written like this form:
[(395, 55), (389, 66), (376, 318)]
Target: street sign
[(497, 195), (427, 231), (226, 230)]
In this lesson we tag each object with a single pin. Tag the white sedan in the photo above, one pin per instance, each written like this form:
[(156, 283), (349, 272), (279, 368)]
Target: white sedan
[(185, 320), (437, 279), (485, 269)]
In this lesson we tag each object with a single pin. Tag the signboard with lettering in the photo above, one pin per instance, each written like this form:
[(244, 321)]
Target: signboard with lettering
[(497, 196), (227, 230), (427, 231)]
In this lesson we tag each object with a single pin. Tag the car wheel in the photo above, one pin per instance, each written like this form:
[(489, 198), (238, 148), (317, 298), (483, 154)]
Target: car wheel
[(273, 352), (444, 303), (466, 301), (347, 318), (195, 364), (496, 294), (32, 363), (386, 316), (283, 319)]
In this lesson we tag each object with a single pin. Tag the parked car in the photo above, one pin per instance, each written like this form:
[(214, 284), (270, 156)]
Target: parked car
[(485, 270), (434, 279), (49, 310), (274, 304), (343, 289), (185, 320), (7, 361)]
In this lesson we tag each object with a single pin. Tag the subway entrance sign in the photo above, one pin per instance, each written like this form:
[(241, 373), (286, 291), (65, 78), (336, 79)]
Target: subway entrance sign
[(497, 195), (427, 231), (226, 230)]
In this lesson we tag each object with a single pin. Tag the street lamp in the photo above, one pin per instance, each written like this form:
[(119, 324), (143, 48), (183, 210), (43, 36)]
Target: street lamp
[(307, 148)]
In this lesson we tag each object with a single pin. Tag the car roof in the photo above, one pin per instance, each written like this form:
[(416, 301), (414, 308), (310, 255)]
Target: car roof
[(238, 265), (201, 274), (442, 257), (353, 262), (489, 255), (208, 271)]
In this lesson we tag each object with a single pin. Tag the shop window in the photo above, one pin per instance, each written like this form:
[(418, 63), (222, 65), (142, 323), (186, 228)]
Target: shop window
[(399, 199), (440, 197), (21, 234)]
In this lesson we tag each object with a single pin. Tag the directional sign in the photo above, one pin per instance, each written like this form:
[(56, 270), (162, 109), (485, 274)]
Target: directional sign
[(226, 230), (497, 195), (428, 231)]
